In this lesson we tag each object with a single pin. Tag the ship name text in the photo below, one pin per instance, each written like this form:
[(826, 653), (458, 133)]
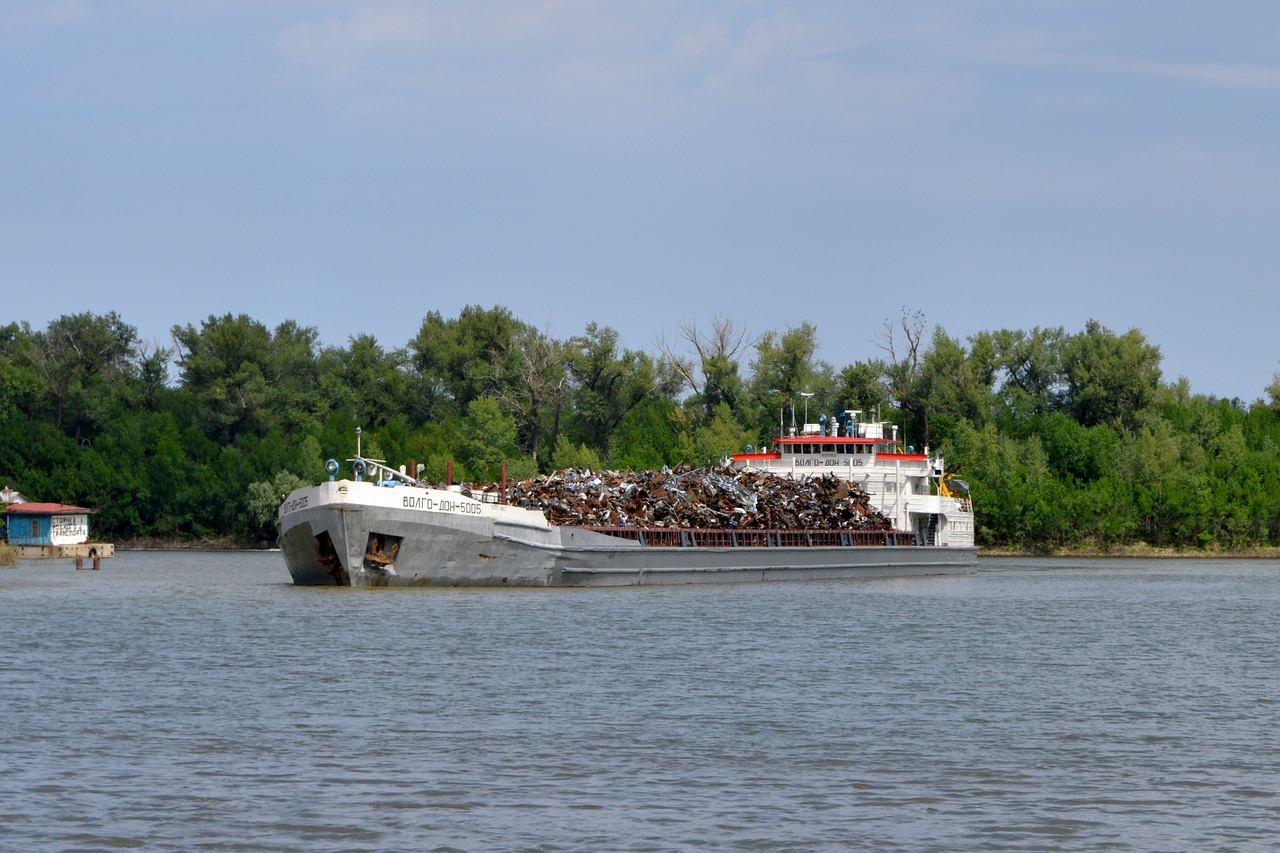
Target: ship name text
[(294, 505), (441, 505), (819, 462)]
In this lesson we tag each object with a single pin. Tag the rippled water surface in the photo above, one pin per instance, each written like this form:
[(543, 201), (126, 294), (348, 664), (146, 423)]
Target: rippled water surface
[(197, 701)]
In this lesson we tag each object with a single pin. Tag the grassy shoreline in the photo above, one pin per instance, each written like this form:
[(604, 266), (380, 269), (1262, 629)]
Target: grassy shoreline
[(142, 543), (1140, 550)]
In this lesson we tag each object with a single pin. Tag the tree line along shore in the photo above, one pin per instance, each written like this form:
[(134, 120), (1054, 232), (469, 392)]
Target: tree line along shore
[(1070, 441)]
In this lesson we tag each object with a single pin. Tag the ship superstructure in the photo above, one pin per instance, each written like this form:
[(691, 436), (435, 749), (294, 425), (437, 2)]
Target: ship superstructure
[(912, 489)]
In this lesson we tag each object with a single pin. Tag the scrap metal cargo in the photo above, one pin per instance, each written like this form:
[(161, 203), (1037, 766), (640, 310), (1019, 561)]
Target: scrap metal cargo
[(698, 498)]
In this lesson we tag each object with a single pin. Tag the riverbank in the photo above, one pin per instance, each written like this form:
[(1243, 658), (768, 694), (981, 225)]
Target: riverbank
[(1140, 549), (143, 543)]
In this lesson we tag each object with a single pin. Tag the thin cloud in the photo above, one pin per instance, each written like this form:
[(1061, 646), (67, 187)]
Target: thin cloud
[(55, 14), (842, 65), (1225, 75), (337, 47), (1037, 50), (687, 52), (1213, 74), (780, 57)]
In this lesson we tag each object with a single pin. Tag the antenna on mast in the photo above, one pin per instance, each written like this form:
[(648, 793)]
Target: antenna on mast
[(806, 395)]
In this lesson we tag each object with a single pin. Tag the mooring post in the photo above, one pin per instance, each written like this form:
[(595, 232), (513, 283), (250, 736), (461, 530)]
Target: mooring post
[(97, 563), (79, 563)]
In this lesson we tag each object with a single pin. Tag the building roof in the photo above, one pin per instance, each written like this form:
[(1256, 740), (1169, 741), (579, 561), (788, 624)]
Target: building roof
[(44, 509)]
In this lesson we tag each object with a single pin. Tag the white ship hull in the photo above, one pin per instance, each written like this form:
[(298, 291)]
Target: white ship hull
[(349, 533)]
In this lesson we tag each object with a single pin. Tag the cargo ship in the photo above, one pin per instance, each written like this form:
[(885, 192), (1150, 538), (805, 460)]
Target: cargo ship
[(385, 527)]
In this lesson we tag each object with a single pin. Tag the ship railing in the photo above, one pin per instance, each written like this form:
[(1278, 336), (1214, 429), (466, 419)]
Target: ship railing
[(687, 537), (379, 472)]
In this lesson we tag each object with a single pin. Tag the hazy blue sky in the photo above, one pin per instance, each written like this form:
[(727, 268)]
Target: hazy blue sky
[(353, 165)]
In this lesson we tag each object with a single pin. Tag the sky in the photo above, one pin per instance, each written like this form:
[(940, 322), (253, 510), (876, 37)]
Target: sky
[(354, 165)]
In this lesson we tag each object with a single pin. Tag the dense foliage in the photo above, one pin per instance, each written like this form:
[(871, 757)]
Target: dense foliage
[(1066, 439)]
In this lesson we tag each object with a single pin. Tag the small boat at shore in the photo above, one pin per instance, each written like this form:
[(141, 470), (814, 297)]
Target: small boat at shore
[(392, 529)]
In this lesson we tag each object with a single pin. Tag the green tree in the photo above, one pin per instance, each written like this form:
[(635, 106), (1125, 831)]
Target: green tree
[(488, 439), (221, 366), (1110, 378), (534, 390), (456, 361), (709, 443), (245, 380), (22, 387), (567, 455), (292, 374), (609, 382), (263, 499), (959, 382), (1064, 438), (1075, 452), (861, 386), (785, 366), (1031, 365), (1148, 459), (1017, 500), (365, 379), (649, 436), (83, 358), (150, 373)]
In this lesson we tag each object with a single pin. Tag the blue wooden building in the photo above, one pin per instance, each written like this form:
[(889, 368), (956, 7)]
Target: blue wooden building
[(46, 524)]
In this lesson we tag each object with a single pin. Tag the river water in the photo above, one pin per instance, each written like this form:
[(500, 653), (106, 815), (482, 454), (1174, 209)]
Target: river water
[(195, 701)]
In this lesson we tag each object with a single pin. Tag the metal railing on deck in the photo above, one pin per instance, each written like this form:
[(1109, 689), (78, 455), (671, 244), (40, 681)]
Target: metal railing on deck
[(679, 537)]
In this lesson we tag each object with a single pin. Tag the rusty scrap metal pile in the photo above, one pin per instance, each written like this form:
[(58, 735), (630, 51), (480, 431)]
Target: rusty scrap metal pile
[(698, 498)]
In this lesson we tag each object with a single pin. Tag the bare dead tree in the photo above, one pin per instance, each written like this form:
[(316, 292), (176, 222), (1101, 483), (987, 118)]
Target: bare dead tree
[(724, 343), (904, 350), (906, 379)]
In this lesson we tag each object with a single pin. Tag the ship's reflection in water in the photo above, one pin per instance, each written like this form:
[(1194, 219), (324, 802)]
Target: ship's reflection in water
[(187, 701)]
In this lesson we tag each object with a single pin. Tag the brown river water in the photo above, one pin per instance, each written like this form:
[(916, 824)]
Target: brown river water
[(197, 701)]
